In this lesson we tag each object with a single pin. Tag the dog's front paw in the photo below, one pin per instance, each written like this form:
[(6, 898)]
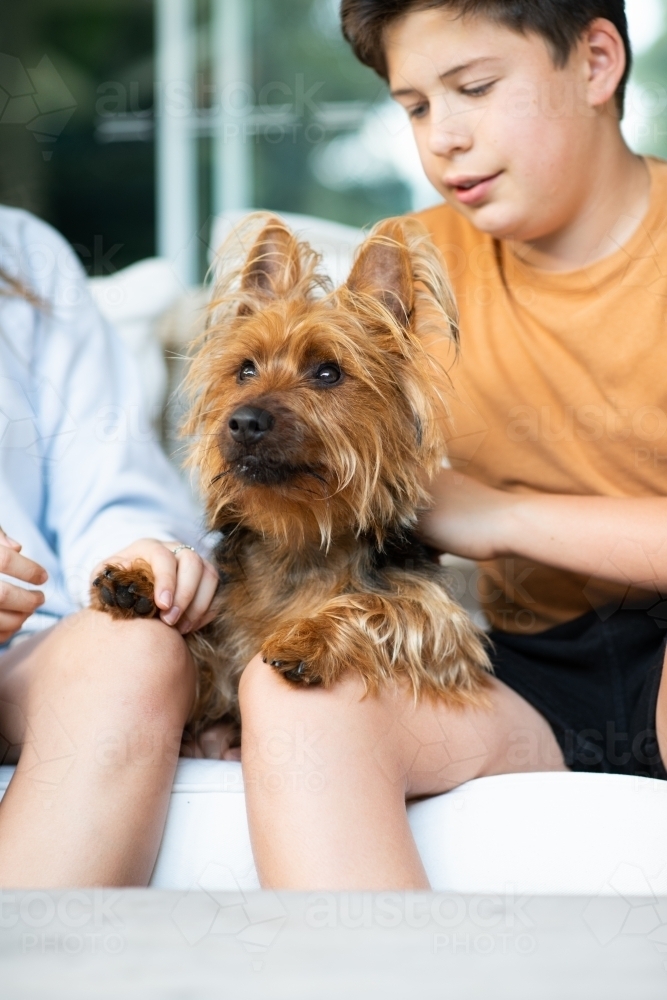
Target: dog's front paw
[(125, 593), (296, 671), (296, 653)]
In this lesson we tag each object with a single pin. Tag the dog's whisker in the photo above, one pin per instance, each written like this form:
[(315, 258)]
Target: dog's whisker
[(315, 475), (336, 492), (220, 476)]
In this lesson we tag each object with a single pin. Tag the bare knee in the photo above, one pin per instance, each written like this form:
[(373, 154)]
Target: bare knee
[(342, 725), (259, 688), (147, 662), (264, 694)]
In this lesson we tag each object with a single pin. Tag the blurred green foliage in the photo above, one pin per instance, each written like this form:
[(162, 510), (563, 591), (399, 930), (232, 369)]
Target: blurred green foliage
[(301, 39)]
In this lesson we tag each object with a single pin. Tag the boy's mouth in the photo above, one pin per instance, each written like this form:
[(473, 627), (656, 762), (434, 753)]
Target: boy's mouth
[(472, 190)]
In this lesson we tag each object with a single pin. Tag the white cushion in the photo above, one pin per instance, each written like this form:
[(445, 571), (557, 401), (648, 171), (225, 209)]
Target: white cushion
[(578, 834), (544, 834), (133, 300)]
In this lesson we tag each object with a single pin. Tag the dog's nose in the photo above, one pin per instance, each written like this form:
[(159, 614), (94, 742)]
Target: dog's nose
[(250, 423)]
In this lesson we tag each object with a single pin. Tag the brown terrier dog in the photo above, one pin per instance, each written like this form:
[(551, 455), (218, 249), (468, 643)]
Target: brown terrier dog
[(317, 423)]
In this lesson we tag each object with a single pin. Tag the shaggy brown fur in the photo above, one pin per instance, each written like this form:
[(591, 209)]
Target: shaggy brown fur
[(316, 423)]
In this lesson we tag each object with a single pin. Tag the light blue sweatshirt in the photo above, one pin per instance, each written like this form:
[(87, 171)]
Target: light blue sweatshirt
[(81, 475)]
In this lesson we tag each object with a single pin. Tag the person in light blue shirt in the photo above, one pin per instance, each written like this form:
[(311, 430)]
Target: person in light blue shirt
[(92, 709)]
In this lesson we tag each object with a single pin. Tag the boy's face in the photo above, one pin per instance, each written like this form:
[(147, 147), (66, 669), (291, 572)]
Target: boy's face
[(505, 136)]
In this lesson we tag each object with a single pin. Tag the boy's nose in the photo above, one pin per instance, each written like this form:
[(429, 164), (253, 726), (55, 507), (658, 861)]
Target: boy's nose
[(446, 141), (250, 423), (449, 133)]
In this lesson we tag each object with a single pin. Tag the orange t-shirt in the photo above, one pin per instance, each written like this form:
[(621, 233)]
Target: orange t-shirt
[(560, 387)]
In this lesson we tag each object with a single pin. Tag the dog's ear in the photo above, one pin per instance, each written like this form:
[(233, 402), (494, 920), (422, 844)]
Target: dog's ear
[(273, 267), (383, 270)]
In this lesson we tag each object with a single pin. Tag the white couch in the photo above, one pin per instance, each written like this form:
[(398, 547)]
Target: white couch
[(527, 834)]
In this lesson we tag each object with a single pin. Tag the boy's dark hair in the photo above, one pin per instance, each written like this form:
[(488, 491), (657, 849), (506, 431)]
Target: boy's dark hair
[(560, 22)]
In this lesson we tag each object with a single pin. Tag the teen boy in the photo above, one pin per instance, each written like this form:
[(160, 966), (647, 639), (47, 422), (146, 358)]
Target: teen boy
[(555, 237)]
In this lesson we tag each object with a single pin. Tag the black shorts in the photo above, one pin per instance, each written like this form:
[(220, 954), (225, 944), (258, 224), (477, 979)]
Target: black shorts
[(596, 681)]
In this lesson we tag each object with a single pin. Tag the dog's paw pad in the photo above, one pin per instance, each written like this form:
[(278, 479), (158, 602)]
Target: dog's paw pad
[(123, 597), (297, 673), (145, 607), (108, 597)]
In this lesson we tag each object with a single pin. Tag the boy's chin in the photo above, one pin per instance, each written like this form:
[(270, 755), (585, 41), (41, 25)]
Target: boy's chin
[(502, 220), (499, 219)]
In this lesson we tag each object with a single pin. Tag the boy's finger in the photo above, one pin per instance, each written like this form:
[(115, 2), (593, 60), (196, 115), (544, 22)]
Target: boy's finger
[(20, 567), (17, 599), (194, 616)]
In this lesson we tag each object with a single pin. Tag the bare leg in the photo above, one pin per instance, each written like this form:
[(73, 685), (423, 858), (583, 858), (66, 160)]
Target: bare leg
[(98, 707), (328, 772)]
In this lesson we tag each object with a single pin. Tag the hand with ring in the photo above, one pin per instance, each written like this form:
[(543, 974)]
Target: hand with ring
[(185, 582)]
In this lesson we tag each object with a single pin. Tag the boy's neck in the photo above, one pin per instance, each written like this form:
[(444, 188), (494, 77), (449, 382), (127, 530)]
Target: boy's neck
[(611, 212)]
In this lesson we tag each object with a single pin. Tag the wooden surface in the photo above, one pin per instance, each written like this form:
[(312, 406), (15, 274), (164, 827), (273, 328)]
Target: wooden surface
[(149, 944)]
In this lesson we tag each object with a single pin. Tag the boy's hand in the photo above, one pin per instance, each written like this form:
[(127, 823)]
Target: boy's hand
[(185, 583), (17, 603), (468, 519)]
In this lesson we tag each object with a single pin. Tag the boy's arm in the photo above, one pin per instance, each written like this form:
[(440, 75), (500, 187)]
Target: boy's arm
[(618, 539)]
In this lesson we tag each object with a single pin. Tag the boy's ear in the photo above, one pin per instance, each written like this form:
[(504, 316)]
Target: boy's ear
[(273, 266), (383, 270)]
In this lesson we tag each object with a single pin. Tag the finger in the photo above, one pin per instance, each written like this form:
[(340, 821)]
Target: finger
[(11, 622), (18, 599), (21, 568), (195, 615), (165, 567), (9, 542), (188, 578)]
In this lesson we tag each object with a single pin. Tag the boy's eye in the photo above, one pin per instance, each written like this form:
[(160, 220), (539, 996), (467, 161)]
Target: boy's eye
[(328, 374), (247, 370), (479, 91), (419, 111)]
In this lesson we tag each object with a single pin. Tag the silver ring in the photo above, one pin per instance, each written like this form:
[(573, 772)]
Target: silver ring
[(179, 548)]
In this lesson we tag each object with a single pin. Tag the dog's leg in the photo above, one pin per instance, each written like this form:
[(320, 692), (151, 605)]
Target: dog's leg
[(125, 593), (417, 633)]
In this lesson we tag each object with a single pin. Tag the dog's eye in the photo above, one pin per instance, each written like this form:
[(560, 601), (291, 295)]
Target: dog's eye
[(247, 370), (328, 374)]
